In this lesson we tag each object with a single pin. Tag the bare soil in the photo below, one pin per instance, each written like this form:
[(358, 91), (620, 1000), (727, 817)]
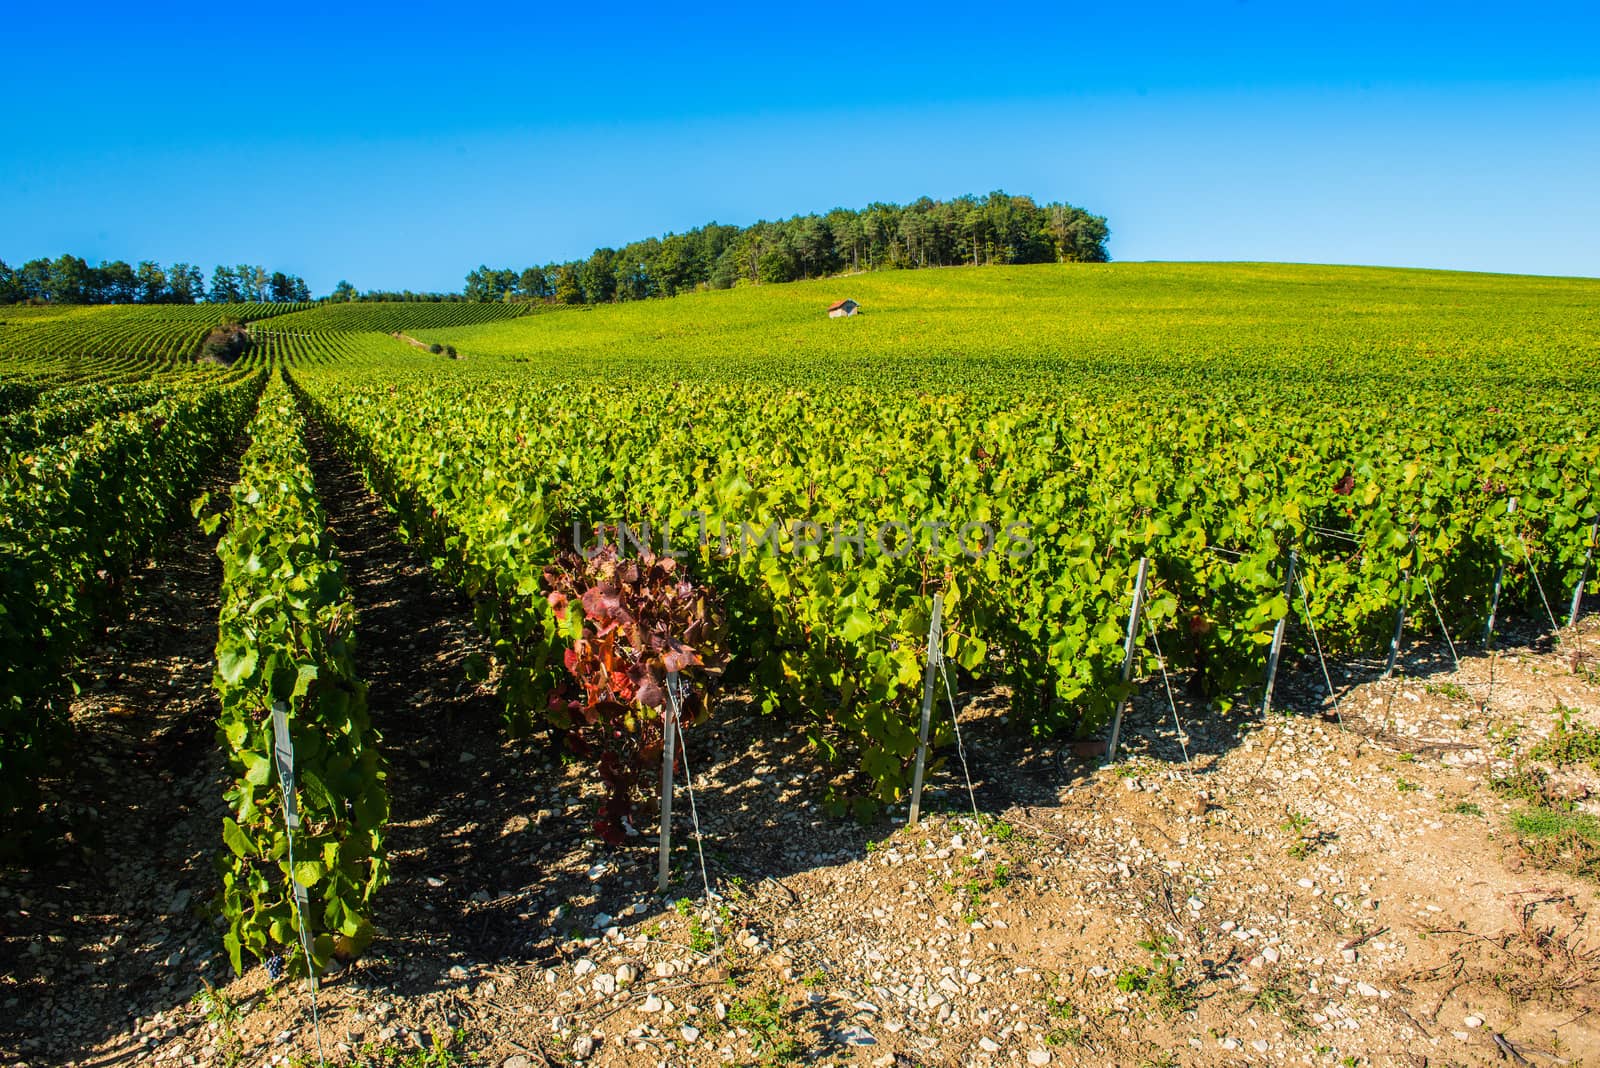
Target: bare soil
[(1337, 885), (409, 340)]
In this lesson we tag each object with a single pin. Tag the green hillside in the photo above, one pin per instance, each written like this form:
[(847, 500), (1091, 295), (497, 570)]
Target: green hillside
[(983, 326), (389, 316)]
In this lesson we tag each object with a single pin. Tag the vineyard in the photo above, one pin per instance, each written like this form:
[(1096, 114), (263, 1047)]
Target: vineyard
[(389, 317), (160, 333), (1132, 489)]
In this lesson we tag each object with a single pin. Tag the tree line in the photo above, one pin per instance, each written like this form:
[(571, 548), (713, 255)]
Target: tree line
[(997, 228), (345, 293), (70, 279)]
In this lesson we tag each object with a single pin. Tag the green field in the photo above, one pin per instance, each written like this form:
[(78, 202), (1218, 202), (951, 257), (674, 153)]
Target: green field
[(1209, 420), (962, 327), (391, 316)]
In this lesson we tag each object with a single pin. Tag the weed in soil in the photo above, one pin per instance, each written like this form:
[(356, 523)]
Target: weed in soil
[(1571, 744), (1569, 841), (1160, 982), (438, 1055), (1277, 996), (764, 1013)]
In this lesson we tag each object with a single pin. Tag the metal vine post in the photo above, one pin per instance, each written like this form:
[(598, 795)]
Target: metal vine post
[(1277, 637), (1127, 658), (930, 673)]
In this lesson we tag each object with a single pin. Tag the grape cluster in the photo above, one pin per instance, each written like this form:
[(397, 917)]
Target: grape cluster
[(275, 966)]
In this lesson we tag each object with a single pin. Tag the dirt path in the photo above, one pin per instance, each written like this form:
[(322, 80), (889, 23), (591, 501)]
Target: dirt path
[(99, 937), (443, 737), (409, 340)]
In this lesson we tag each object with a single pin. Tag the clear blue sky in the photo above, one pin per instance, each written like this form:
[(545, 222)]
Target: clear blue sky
[(401, 146)]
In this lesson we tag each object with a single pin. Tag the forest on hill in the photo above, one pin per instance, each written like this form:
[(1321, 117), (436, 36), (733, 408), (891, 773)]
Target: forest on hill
[(995, 229)]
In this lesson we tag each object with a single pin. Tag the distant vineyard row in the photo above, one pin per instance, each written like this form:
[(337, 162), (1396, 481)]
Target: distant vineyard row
[(158, 332), (35, 342), (389, 317)]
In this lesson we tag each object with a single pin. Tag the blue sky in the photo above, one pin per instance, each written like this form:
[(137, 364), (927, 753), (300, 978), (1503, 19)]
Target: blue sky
[(403, 145)]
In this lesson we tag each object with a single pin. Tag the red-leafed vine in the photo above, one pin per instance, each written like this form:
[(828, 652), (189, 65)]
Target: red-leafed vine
[(630, 622)]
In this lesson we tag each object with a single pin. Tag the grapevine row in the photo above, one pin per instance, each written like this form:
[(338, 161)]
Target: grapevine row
[(286, 638), (75, 516), (1381, 505), (389, 317)]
